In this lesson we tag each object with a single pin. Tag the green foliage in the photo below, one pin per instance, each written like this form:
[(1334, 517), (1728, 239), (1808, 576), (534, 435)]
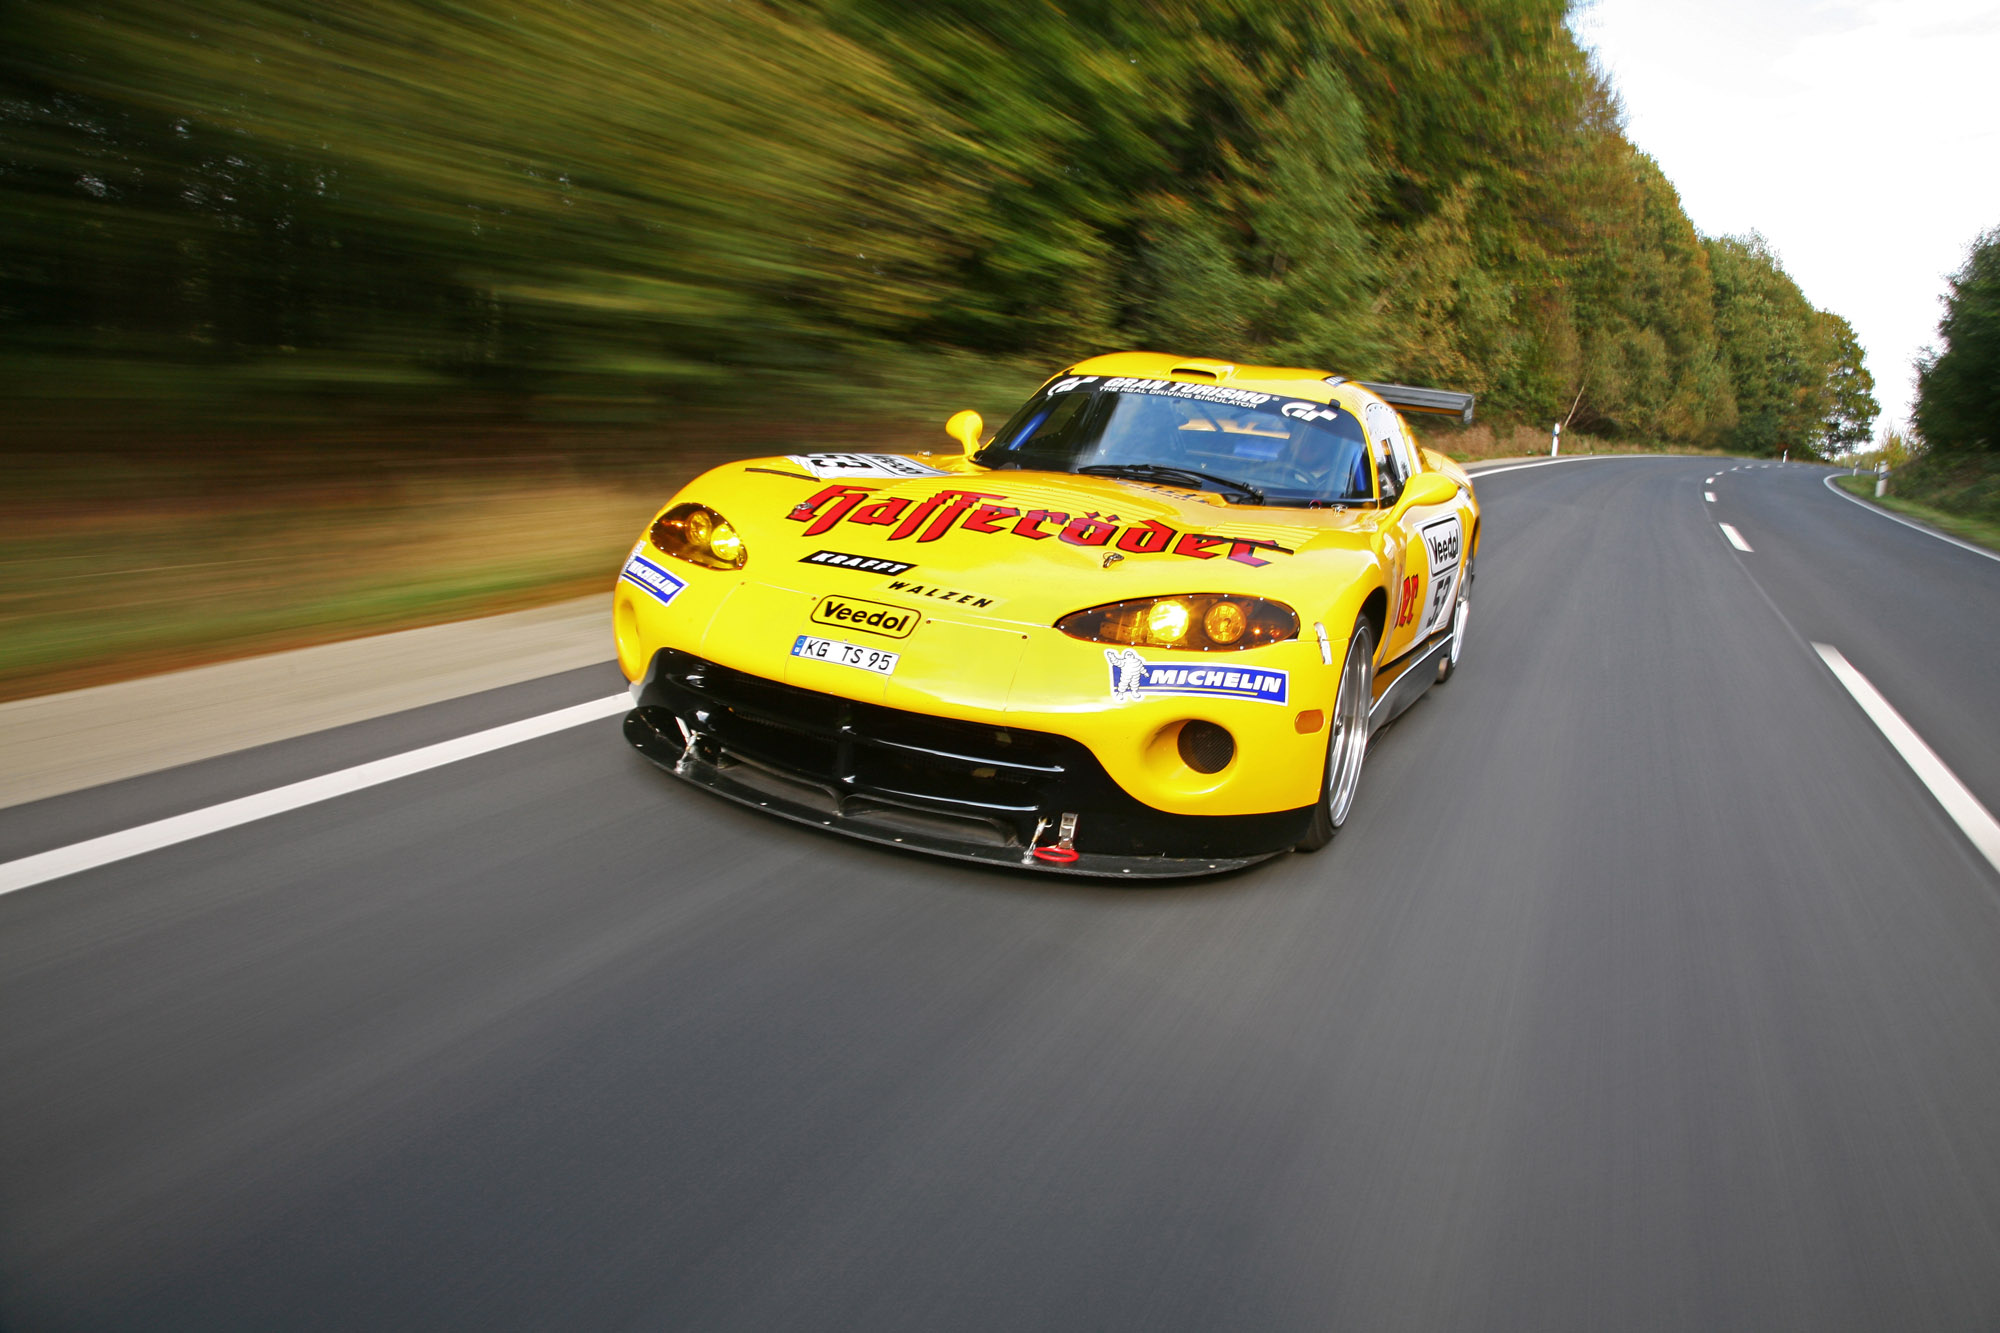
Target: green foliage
[(1851, 408), (586, 211), (1958, 387), (1779, 352)]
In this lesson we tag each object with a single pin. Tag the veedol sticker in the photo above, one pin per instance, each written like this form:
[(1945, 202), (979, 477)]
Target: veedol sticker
[(1133, 677), (823, 466), (870, 617), (656, 582), (1442, 539)]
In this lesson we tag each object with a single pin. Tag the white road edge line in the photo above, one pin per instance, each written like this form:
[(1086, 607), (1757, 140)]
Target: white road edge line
[(1957, 800), (1735, 537), (94, 852), (1474, 471), (1914, 527)]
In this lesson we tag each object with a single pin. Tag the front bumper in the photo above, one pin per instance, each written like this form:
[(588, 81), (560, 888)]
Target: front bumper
[(949, 787)]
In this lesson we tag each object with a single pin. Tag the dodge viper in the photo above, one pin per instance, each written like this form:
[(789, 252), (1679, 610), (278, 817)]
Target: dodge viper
[(1146, 628)]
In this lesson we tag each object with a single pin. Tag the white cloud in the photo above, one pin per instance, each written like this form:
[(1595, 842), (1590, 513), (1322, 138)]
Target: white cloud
[(1860, 138)]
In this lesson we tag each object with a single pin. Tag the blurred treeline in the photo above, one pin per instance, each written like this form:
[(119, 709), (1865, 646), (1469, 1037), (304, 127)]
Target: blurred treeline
[(248, 214), (1958, 383)]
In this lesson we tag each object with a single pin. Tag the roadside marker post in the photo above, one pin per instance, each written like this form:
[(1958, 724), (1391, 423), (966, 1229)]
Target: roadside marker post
[(1556, 441)]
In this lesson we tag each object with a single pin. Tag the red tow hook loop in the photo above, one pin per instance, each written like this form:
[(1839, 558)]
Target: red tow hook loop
[(1063, 852)]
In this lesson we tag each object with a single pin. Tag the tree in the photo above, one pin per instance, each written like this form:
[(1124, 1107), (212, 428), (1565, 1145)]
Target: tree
[(1958, 386), (1850, 389), (1770, 336)]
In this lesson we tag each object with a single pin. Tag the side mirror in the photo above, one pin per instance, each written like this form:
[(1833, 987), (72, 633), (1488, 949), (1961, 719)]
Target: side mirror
[(965, 427), (1428, 488)]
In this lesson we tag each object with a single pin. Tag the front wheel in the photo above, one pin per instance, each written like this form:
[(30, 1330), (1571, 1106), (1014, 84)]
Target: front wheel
[(1348, 745), (1458, 615)]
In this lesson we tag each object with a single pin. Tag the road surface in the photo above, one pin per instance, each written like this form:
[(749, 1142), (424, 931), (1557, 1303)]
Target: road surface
[(1651, 986)]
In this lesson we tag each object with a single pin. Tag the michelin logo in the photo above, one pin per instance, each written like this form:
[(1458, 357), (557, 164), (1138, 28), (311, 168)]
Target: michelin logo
[(649, 577), (1133, 677)]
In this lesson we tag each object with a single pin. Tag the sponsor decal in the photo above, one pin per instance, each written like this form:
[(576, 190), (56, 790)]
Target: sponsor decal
[(1442, 539), (1133, 677), (1299, 411), (932, 591), (866, 564), (1201, 393), (824, 466), (656, 582), (931, 517), (895, 622)]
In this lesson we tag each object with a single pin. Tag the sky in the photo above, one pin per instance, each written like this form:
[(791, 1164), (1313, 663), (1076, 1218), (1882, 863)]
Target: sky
[(1862, 139)]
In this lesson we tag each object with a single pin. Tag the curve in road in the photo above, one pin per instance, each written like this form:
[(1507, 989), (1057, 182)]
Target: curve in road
[(1647, 988)]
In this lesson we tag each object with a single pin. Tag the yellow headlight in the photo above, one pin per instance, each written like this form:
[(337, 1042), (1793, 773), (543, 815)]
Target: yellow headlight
[(1167, 622), (1196, 622), (725, 543), (1225, 622), (700, 536)]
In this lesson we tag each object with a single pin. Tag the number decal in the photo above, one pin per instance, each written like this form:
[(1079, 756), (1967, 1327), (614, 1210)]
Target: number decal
[(1406, 609)]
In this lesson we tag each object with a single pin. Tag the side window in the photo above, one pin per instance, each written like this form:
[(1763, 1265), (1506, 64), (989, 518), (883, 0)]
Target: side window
[(1405, 449), (1390, 447)]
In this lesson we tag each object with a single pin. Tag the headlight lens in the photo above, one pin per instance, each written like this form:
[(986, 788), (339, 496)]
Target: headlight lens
[(699, 535), (1201, 622)]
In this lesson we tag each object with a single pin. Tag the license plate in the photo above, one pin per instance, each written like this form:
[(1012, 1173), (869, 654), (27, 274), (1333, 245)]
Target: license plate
[(846, 654)]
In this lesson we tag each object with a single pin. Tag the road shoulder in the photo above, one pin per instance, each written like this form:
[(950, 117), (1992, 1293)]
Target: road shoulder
[(66, 742)]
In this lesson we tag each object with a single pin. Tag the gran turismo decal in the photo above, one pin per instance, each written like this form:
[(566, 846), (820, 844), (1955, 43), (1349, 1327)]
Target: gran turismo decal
[(649, 578), (912, 589), (1299, 411), (1201, 393), (1133, 677), (932, 516), (826, 466), (866, 564), (895, 622)]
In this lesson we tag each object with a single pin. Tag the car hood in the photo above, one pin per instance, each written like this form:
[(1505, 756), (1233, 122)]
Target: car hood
[(1019, 546)]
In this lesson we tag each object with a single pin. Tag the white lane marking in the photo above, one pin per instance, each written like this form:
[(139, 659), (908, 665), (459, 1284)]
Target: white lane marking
[(1708, 496), (1914, 527), (1735, 537), (1477, 472), (1708, 481), (95, 852), (1957, 800)]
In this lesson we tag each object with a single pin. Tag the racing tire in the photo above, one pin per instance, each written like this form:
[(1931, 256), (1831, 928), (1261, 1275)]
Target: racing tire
[(1347, 746), (1458, 613)]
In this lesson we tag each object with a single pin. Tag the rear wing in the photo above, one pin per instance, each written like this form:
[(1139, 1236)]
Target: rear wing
[(1437, 402)]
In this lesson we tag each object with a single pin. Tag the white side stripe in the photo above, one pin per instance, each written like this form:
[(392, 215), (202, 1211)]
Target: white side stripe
[(81, 856), (1735, 537), (1957, 800), (1914, 527)]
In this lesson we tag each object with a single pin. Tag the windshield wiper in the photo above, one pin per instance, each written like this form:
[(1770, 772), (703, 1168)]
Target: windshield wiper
[(1184, 475)]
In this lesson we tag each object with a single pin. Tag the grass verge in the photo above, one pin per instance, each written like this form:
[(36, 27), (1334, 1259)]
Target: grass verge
[(93, 595), (1967, 527)]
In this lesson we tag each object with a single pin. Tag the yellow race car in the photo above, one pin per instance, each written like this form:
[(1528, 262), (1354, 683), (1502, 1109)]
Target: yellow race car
[(1145, 629)]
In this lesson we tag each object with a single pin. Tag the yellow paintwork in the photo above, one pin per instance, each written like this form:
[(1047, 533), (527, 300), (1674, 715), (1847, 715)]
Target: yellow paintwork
[(1004, 662)]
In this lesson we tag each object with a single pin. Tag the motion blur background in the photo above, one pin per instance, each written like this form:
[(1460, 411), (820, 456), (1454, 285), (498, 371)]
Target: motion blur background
[(349, 314)]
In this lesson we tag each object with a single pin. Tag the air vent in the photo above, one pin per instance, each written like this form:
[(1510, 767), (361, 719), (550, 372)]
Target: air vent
[(1205, 370), (1193, 372)]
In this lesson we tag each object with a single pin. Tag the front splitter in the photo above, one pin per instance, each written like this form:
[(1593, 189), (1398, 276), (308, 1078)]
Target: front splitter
[(740, 783)]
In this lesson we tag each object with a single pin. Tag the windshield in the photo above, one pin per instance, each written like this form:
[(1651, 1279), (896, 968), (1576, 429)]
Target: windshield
[(1293, 451)]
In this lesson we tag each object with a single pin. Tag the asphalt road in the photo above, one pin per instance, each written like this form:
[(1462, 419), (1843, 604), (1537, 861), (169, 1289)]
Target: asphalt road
[(1647, 988)]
